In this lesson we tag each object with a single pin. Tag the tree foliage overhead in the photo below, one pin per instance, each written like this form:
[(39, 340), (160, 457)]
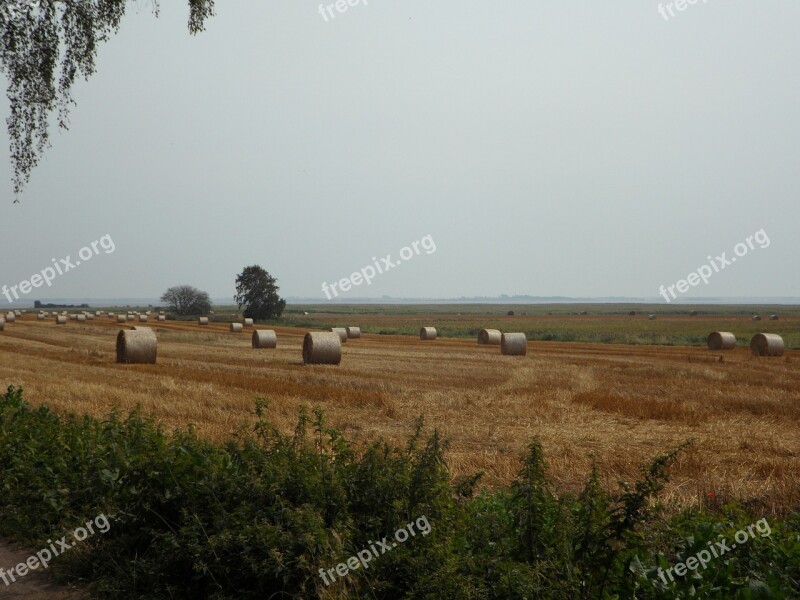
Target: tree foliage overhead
[(44, 46), (257, 291), (187, 300)]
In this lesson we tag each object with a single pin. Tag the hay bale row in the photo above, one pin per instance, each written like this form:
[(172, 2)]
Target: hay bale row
[(766, 344), (322, 348), (513, 344), (427, 333), (137, 346), (490, 337), (264, 338), (721, 340)]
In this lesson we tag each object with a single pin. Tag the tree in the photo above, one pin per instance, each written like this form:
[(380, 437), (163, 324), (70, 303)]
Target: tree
[(256, 290), (187, 300), (40, 78)]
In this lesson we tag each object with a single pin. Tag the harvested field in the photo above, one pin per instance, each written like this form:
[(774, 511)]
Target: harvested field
[(623, 403)]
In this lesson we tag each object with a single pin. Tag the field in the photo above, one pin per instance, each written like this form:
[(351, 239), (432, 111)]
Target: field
[(619, 403)]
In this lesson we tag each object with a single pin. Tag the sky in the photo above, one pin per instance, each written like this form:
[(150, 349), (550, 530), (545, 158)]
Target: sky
[(541, 148)]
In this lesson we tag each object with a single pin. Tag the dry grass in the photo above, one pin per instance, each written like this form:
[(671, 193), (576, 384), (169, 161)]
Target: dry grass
[(622, 404)]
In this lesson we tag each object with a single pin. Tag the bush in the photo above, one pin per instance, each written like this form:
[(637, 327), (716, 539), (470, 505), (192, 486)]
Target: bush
[(260, 515)]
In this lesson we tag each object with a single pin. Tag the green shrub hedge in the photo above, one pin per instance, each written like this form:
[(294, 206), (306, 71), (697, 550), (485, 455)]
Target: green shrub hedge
[(260, 515)]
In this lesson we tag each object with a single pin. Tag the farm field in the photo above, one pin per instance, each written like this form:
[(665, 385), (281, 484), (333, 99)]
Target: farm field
[(621, 403)]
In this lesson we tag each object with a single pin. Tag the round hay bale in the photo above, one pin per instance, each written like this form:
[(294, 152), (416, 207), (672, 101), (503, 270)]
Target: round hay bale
[(236, 328), (651, 317), (11, 317), (766, 344), (142, 318), (490, 337), (513, 344), (353, 332), (248, 322), (110, 315), (98, 313), (427, 333), (162, 317), (40, 317), (73, 317), (89, 317), (265, 338), (131, 317), (137, 346), (756, 318), (322, 348), (510, 313), (773, 317), (202, 321), (341, 332), (18, 312), (161, 312), (305, 312), (721, 340), (121, 318), (81, 318), (61, 320)]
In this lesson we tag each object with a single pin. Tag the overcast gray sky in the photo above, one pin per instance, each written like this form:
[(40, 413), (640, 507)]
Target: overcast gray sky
[(548, 148)]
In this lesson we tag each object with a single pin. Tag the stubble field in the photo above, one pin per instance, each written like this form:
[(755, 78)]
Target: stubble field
[(617, 404)]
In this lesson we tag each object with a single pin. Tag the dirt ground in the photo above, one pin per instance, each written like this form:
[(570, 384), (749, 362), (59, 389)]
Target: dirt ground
[(34, 585)]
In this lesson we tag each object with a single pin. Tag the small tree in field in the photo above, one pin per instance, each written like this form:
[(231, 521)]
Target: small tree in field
[(257, 292), (187, 300)]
